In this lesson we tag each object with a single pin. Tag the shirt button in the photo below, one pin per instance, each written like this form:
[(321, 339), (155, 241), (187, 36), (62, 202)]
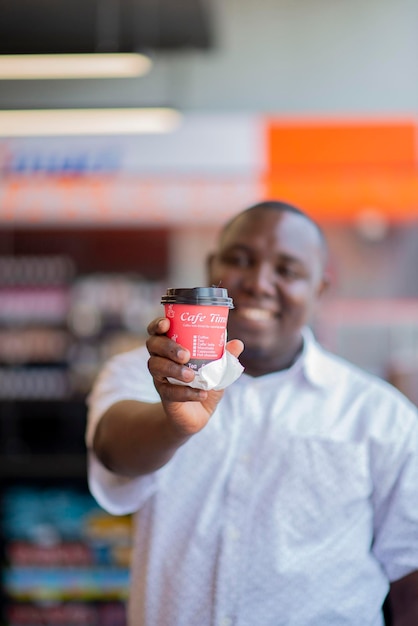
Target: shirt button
[(226, 621)]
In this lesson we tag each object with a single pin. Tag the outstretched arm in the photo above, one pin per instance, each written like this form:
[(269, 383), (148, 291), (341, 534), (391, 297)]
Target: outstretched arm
[(134, 438)]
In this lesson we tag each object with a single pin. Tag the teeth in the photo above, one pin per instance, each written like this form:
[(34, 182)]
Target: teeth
[(258, 315)]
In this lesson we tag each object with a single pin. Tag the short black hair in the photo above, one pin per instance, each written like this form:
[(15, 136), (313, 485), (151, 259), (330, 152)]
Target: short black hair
[(277, 205)]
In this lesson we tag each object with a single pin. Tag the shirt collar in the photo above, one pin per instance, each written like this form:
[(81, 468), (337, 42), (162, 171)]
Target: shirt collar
[(312, 363), (317, 367)]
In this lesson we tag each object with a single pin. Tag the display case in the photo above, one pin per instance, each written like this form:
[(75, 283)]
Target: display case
[(68, 301), (65, 560)]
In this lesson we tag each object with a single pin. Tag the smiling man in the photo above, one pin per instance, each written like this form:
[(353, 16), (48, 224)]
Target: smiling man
[(289, 498), (272, 261)]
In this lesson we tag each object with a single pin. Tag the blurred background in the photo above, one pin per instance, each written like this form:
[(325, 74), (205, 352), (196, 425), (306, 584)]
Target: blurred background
[(130, 130)]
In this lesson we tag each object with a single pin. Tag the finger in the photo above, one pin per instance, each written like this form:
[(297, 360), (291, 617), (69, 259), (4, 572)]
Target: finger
[(179, 393), (161, 369), (235, 347), (158, 326), (160, 345)]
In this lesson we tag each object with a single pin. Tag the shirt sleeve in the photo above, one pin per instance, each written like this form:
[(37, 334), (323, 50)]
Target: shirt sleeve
[(124, 377), (395, 497)]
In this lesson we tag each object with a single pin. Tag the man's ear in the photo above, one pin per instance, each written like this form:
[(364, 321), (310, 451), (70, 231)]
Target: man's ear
[(324, 284)]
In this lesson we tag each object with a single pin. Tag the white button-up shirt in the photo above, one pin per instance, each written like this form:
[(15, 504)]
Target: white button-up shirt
[(295, 506)]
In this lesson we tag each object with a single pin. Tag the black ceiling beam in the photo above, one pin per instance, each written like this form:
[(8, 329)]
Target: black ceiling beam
[(86, 26)]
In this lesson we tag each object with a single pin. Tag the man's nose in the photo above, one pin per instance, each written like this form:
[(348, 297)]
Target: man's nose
[(261, 278)]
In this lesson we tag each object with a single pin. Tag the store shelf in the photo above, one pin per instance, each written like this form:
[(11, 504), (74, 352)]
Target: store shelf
[(68, 302), (64, 557), (42, 466)]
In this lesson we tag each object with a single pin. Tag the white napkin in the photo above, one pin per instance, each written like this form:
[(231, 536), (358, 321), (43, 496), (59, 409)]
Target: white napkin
[(216, 374)]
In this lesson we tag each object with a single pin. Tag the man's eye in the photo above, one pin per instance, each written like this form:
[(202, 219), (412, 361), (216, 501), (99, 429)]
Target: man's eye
[(236, 260), (287, 271)]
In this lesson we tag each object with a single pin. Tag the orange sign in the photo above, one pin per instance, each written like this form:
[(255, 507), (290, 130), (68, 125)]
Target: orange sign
[(336, 170)]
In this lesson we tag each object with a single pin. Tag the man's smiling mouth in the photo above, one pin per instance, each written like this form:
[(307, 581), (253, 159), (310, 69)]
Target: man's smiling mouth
[(255, 314)]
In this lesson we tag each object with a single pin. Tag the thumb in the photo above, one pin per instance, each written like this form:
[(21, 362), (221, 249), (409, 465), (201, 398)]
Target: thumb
[(235, 347)]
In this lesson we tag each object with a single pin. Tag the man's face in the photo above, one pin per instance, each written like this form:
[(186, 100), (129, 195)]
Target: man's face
[(271, 263)]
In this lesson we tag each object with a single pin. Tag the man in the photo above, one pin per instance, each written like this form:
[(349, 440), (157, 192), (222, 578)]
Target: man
[(288, 499)]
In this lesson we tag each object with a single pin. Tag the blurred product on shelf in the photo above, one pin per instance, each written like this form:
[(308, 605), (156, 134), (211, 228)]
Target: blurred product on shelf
[(36, 270), (66, 559), (58, 327), (22, 305), (112, 300), (33, 383), (41, 345), (66, 614)]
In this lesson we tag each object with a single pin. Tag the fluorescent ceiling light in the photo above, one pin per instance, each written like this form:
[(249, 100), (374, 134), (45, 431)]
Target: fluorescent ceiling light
[(87, 122), (56, 66)]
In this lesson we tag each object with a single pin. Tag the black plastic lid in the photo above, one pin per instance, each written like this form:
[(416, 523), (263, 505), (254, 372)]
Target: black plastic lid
[(214, 296)]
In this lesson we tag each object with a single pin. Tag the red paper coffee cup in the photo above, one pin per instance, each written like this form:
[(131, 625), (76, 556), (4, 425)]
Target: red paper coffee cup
[(198, 319)]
